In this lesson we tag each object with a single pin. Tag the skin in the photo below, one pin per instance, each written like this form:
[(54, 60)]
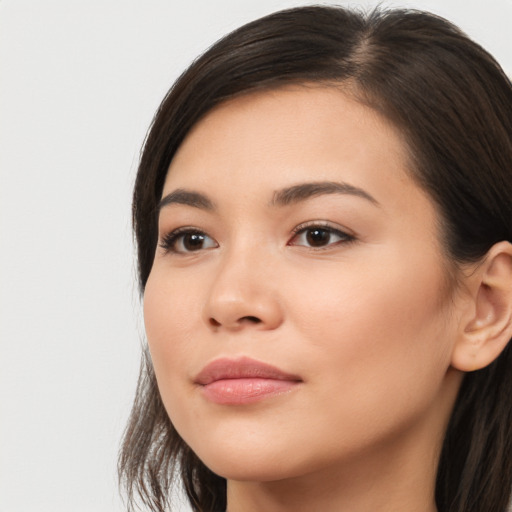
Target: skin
[(368, 324)]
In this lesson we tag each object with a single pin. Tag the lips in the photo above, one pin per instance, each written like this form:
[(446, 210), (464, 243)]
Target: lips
[(242, 381)]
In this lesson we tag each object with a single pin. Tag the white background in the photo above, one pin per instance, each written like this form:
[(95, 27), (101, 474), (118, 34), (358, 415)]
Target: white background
[(79, 83)]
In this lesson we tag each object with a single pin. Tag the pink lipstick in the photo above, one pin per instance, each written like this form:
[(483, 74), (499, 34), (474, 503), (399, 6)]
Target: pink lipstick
[(243, 381)]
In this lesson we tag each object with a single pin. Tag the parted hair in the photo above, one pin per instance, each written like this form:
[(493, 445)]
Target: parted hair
[(453, 104)]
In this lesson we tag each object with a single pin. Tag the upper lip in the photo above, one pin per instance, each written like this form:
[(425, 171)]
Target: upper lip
[(241, 368)]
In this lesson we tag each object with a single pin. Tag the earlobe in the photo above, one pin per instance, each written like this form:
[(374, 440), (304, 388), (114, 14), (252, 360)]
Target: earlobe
[(487, 328)]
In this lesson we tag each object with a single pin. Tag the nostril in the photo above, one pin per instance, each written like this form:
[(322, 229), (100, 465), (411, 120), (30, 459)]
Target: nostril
[(214, 322), (252, 319)]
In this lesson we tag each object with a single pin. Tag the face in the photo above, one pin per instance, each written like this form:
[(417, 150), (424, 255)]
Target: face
[(297, 311)]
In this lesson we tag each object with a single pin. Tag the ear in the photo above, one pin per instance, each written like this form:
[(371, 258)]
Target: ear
[(486, 325)]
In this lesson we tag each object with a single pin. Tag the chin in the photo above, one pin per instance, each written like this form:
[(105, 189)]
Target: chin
[(249, 460), (247, 469)]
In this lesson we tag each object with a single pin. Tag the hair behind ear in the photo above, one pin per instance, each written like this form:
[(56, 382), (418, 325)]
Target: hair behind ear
[(475, 457)]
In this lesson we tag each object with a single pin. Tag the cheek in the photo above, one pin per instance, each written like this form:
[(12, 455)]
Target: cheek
[(380, 332), (171, 318), (169, 324)]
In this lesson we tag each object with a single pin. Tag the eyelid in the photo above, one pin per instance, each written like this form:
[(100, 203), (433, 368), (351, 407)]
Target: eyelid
[(168, 241), (345, 235)]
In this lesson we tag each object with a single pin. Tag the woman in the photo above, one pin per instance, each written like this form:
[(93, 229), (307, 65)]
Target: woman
[(323, 219)]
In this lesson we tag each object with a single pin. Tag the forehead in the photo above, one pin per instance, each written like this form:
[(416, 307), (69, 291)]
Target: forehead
[(282, 134)]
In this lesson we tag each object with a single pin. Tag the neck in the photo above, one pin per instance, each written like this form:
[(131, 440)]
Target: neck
[(392, 487)]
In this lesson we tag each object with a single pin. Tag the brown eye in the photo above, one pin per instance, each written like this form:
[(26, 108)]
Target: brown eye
[(186, 241), (193, 241), (318, 237)]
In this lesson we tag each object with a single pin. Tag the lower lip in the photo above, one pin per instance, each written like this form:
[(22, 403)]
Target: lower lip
[(245, 391)]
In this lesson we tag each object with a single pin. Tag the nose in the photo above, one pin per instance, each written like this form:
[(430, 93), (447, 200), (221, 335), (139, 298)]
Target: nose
[(243, 294)]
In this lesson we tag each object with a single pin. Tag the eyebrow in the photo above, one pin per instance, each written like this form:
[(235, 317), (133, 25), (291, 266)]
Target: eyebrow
[(186, 197), (283, 197), (303, 191)]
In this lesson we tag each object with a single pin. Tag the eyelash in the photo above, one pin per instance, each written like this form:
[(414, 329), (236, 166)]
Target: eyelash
[(345, 238), (170, 240)]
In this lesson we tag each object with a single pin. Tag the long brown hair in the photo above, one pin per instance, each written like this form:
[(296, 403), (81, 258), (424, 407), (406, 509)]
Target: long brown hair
[(453, 104)]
